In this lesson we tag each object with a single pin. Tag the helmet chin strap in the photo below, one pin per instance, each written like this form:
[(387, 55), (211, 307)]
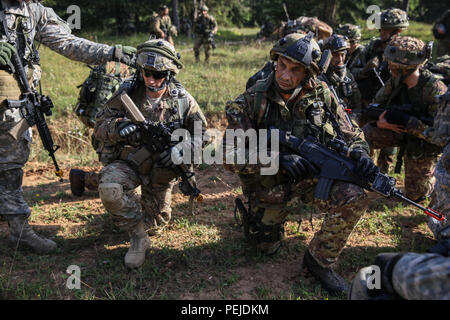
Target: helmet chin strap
[(154, 89)]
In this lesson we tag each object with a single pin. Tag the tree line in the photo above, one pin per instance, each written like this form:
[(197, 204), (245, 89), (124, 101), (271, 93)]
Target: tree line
[(119, 15)]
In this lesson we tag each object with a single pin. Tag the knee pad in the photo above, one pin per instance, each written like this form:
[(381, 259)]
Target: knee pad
[(111, 195)]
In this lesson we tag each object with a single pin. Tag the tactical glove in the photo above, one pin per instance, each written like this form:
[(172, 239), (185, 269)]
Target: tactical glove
[(174, 153), (129, 132), (6, 52), (397, 117), (365, 167), (125, 55), (296, 167)]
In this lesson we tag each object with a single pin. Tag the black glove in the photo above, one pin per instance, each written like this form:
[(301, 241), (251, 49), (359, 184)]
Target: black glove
[(365, 167), (129, 131), (296, 167), (397, 117), (176, 149), (386, 262), (125, 55)]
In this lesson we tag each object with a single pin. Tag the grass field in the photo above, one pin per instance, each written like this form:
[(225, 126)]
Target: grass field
[(197, 257)]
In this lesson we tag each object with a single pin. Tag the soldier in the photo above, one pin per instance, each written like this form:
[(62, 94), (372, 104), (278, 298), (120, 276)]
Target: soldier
[(441, 31), (205, 27), (392, 22), (293, 99), (353, 34), (161, 25), (25, 22), (160, 100), (338, 76), (409, 85)]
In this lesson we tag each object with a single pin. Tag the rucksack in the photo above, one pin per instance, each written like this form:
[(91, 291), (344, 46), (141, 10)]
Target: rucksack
[(98, 88)]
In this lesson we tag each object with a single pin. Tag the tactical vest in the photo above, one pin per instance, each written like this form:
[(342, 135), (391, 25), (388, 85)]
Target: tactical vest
[(415, 147)]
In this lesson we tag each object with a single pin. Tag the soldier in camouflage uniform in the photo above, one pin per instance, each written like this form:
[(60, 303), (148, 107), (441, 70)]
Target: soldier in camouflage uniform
[(392, 22), (353, 34), (160, 100), (441, 31), (205, 27), (27, 21), (338, 76), (409, 85), (161, 25), (293, 99)]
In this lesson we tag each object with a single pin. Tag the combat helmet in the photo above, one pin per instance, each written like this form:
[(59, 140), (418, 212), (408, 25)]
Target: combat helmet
[(306, 52), (407, 52), (159, 55), (336, 43), (282, 44), (204, 8), (394, 18), (351, 31)]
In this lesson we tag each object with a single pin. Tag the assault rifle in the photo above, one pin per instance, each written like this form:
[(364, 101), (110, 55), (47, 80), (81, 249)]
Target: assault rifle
[(211, 40), (157, 138), (34, 107), (374, 110), (334, 164)]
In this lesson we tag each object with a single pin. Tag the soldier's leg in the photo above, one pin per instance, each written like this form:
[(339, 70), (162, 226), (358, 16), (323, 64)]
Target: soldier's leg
[(347, 204), (157, 198), (207, 51), (197, 44), (118, 182), (419, 177), (386, 158)]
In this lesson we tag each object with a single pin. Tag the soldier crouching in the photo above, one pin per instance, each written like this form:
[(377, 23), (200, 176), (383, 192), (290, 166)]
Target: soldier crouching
[(160, 100), (292, 99)]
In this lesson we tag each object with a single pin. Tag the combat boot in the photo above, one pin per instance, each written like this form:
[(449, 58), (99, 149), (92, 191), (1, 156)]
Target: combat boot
[(330, 280), (139, 243), (77, 182), (20, 233)]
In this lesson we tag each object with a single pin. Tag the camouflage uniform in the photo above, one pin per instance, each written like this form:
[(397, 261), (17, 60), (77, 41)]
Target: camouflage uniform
[(162, 25), (443, 38), (421, 154), (353, 34), (440, 135), (121, 176), (441, 68), (272, 198), (203, 26)]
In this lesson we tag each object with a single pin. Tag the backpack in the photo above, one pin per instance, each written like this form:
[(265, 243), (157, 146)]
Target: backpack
[(103, 81)]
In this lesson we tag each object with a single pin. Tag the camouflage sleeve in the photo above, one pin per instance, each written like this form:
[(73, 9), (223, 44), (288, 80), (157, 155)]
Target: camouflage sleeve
[(422, 277), (214, 25), (423, 131), (353, 135), (195, 122), (382, 96), (239, 114), (157, 27), (106, 125), (56, 34)]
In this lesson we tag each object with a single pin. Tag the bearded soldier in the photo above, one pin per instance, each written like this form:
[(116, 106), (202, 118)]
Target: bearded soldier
[(293, 99), (23, 23), (337, 74), (392, 22), (414, 89), (205, 27), (160, 100)]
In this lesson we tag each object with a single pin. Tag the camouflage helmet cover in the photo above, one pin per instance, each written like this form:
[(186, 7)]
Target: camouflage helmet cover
[(394, 18), (306, 52), (407, 52), (159, 55), (336, 43), (204, 8), (351, 31), (282, 44)]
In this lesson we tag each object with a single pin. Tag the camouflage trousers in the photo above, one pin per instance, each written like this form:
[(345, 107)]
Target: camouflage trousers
[(117, 189), (198, 43), (419, 179), (422, 276), (440, 198), (346, 205)]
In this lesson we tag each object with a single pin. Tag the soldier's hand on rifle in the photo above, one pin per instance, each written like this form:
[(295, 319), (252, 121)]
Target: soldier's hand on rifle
[(296, 167), (173, 154), (397, 117), (129, 132), (372, 63), (125, 55), (6, 52), (365, 167), (383, 123)]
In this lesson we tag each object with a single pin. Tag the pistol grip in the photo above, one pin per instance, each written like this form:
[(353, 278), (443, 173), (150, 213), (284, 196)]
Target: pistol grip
[(323, 189)]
